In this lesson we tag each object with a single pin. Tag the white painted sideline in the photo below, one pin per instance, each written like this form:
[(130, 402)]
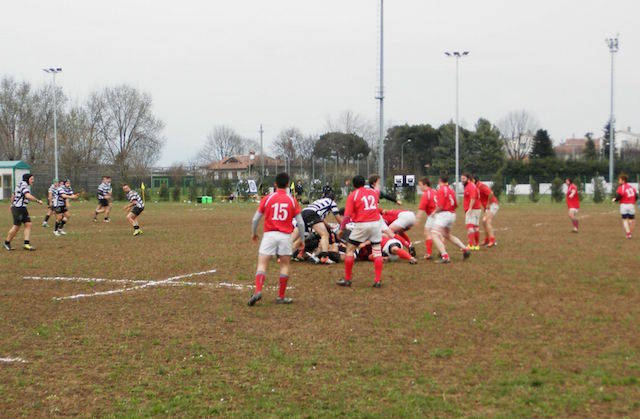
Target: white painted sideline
[(16, 359)]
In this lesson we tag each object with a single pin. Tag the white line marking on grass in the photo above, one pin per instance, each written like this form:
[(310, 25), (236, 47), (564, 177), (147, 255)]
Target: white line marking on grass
[(16, 359)]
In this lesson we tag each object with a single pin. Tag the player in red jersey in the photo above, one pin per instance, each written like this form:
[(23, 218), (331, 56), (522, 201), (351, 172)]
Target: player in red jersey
[(627, 196), (490, 204), (445, 217), (391, 250), (279, 210), (362, 209), (573, 203), (399, 222), (472, 211), (428, 206)]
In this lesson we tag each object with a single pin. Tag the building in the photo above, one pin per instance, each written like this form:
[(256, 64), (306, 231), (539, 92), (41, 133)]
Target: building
[(574, 148), (10, 174), (242, 166), (627, 140)]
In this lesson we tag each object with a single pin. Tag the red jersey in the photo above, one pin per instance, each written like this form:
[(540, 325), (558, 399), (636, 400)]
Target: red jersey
[(573, 198), (484, 191), (446, 199), (362, 205), (628, 193), (364, 253), (428, 201), (279, 209), (470, 192), (389, 216)]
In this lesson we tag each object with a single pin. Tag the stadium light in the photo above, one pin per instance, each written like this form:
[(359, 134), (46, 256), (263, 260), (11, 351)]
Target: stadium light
[(380, 98), (614, 47), (53, 71), (402, 153), (457, 55)]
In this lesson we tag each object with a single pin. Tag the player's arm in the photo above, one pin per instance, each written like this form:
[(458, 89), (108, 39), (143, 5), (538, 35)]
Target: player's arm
[(254, 225), (391, 198), (617, 198), (31, 197), (300, 226)]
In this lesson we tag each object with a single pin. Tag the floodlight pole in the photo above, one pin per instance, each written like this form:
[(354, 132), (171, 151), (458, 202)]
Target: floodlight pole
[(613, 45), (261, 154), (380, 97), (53, 72), (457, 56), (402, 153)]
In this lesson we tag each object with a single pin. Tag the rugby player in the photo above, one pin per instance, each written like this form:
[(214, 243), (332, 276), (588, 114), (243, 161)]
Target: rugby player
[(362, 209), (391, 250), (104, 199), (134, 208), (472, 211), (19, 202), (491, 206), (399, 222), (573, 203), (61, 195), (279, 209), (627, 196), (427, 206), (50, 211), (445, 217)]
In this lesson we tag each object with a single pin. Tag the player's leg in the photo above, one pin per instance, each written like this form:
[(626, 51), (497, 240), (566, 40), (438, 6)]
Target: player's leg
[(10, 235), (378, 263), (284, 278), (349, 258), (261, 269), (57, 227), (398, 251), (47, 215), (27, 235), (471, 234), (428, 242), (107, 211), (490, 215), (65, 219), (438, 240), (322, 231)]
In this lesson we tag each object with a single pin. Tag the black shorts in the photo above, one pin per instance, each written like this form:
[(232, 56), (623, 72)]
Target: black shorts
[(60, 210), (103, 202), (310, 218), (137, 210), (20, 215), (628, 216)]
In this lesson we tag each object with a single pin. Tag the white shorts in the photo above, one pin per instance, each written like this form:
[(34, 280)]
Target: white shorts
[(430, 222), (386, 250), (493, 208), (370, 230), (444, 219), (573, 210), (473, 217), (275, 243), (405, 220), (627, 209)]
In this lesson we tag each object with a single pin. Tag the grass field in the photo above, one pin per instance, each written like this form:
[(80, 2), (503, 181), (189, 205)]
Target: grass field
[(547, 323)]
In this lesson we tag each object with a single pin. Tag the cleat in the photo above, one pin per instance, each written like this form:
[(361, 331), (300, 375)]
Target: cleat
[(466, 254), (95, 220), (628, 235), (254, 298), (377, 284), (29, 247), (137, 232), (413, 261), (64, 233), (56, 232), (344, 283), (412, 251), (326, 261), (284, 300), (492, 244), (476, 248), (7, 246), (106, 220), (427, 257), (443, 260), (45, 224)]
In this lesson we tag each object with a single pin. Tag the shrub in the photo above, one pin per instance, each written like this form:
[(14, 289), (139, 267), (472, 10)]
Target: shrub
[(175, 193), (598, 189), (498, 185), (163, 194), (511, 196), (409, 194), (226, 187), (193, 193), (556, 190), (534, 195)]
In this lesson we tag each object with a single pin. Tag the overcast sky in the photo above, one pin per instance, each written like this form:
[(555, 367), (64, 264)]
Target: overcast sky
[(295, 62)]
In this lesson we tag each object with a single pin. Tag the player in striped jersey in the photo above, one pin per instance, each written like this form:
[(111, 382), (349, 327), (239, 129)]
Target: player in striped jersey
[(60, 196), (52, 188), (134, 208), (104, 199), (19, 201)]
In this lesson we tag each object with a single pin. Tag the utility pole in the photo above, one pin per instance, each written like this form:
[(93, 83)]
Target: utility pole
[(380, 98), (614, 47), (53, 72), (457, 56), (261, 154)]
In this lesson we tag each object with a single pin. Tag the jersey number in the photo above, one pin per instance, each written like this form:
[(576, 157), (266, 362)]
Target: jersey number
[(280, 212), (631, 193), (369, 202)]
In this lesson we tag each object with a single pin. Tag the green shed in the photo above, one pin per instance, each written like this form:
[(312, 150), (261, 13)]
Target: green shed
[(10, 173)]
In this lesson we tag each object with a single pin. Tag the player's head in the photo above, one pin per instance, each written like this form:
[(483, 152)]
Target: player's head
[(126, 188), (327, 192), (424, 183), (465, 178), (358, 181), (67, 182), (623, 178), (475, 178), (28, 177), (282, 180), (568, 180), (374, 181), (444, 179)]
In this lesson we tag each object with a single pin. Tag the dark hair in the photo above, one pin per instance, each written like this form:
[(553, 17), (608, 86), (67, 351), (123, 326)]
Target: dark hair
[(467, 175), (569, 179), (624, 177), (125, 184), (282, 180), (26, 177), (358, 181), (476, 178), (444, 179), (425, 181), (372, 180)]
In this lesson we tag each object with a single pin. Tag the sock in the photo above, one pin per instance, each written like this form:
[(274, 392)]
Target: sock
[(259, 281), (377, 264), (62, 223), (471, 236), (402, 240), (429, 245), (403, 254), (7, 242), (476, 237), (57, 226), (26, 242), (283, 285), (492, 239), (575, 223), (46, 218), (136, 227), (348, 267)]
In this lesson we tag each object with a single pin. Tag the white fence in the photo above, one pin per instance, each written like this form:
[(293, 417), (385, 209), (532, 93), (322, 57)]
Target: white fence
[(545, 188)]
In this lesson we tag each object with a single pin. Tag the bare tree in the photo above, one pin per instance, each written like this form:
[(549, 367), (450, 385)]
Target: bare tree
[(131, 134), (349, 122), (79, 141), (516, 130), (13, 108), (287, 144), (222, 142)]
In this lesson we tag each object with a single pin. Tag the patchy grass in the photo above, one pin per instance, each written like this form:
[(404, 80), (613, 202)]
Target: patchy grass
[(546, 324)]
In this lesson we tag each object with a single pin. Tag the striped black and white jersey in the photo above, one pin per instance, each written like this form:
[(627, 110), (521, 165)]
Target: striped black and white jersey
[(58, 200), (20, 199), (103, 190), (52, 188), (133, 196), (322, 207)]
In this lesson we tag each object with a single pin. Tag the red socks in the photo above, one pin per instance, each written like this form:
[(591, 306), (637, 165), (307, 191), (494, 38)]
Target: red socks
[(575, 223), (283, 285), (429, 245), (259, 281), (377, 263), (348, 267), (403, 254), (402, 240), (477, 237)]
